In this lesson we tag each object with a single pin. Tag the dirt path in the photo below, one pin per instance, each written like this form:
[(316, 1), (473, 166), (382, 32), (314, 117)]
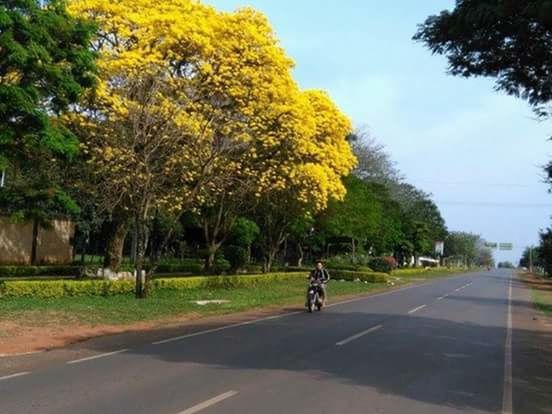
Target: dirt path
[(532, 349)]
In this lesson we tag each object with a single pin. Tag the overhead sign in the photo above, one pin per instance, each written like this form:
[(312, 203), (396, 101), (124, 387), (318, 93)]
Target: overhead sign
[(491, 245), (505, 246)]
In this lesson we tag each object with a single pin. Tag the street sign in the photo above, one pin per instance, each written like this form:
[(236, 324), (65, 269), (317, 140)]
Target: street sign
[(505, 246), (491, 245)]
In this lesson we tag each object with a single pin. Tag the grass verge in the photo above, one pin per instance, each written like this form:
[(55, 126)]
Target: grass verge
[(163, 305)]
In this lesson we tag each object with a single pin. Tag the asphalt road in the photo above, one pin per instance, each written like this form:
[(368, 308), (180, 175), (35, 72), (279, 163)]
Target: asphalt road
[(440, 347)]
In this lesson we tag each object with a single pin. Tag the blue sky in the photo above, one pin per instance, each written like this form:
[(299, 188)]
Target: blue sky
[(455, 138)]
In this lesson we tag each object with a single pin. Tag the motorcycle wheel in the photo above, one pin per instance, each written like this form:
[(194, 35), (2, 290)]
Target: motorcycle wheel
[(310, 307)]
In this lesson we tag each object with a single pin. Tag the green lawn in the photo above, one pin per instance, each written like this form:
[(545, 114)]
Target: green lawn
[(543, 301), (164, 305)]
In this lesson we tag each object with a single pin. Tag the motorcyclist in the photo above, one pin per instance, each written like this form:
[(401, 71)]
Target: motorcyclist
[(321, 275)]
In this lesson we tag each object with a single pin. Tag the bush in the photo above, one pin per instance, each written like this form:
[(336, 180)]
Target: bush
[(25, 271), (382, 264), (371, 277), (63, 288), (237, 256)]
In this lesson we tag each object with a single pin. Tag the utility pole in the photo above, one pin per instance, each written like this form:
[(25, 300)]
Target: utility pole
[(530, 259)]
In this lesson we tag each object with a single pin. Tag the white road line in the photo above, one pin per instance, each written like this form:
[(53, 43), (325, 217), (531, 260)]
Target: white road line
[(507, 393), (359, 335), (443, 297), (206, 404), (416, 309), (283, 315), (222, 328), (19, 374), (90, 358)]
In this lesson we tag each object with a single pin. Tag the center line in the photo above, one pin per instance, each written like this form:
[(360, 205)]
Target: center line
[(416, 309), (359, 335), (209, 403), (76, 361), (442, 297), (19, 374)]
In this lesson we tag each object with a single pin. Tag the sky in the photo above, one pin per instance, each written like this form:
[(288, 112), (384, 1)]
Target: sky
[(477, 151)]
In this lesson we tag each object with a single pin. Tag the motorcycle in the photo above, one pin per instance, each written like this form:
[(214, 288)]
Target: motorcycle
[(315, 296)]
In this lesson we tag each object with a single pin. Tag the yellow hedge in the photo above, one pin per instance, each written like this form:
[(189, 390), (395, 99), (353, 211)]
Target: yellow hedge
[(63, 288)]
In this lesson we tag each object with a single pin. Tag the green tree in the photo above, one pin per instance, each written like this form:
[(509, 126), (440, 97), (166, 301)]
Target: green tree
[(45, 65), (244, 232), (545, 250), (507, 40), (484, 257), (357, 217), (462, 244), (510, 41)]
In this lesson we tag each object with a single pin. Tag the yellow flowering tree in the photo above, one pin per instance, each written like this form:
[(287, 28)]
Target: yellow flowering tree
[(191, 103), (310, 176)]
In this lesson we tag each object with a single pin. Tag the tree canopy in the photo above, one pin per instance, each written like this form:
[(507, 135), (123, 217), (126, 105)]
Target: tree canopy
[(45, 66), (508, 40)]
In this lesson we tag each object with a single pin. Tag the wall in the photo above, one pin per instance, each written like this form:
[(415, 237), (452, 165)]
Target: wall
[(53, 244)]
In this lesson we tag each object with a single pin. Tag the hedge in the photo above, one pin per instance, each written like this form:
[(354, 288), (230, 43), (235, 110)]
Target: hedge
[(63, 288), (24, 271), (371, 277), (413, 271)]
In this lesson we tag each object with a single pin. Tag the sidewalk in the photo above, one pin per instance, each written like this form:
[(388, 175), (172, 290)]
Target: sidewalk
[(532, 354)]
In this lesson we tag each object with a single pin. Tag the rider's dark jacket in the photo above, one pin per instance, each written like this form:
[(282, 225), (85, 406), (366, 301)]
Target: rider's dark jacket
[(321, 275)]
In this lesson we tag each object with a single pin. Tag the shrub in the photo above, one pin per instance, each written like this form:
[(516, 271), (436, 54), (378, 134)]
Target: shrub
[(371, 277), (63, 288), (237, 256), (25, 271), (382, 264)]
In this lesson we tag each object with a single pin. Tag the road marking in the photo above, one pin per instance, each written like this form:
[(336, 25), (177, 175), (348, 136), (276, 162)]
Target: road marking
[(283, 315), (90, 358), (443, 297), (206, 404), (507, 394), (236, 325), (222, 328), (359, 335), (416, 309), (19, 374)]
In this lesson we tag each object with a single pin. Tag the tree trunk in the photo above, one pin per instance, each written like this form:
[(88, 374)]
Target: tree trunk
[(353, 249), (34, 246), (141, 290), (212, 249), (301, 255), (133, 246), (113, 255), (269, 258)]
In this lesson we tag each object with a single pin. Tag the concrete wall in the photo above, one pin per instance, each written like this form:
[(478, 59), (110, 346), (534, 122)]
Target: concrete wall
[(53, 244)]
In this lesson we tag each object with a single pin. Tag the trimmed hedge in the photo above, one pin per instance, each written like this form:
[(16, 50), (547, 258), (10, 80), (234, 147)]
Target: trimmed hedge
[(413, 271), (69, 288), (25, 271), (63, 288), (371, 277)]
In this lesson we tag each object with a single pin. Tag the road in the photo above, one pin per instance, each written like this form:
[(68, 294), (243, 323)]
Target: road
[(439, 347)]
